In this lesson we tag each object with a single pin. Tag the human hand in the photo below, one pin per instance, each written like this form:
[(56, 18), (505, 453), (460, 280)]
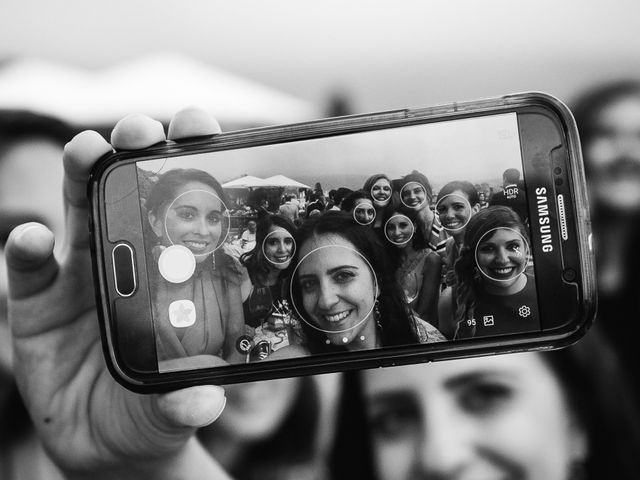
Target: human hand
[(89, 424)]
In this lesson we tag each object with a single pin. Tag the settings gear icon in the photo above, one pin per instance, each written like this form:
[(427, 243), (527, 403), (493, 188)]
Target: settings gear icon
[(524, 311)]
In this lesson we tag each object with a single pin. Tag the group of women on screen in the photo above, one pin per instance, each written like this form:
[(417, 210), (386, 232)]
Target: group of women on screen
[(386, 270)]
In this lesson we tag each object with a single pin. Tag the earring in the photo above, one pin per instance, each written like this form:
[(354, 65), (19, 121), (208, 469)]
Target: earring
[(213, 261), (376, 312)]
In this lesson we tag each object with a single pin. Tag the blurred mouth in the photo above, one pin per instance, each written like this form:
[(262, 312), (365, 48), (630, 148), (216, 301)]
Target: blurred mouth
[(400, 239), (281, 258), (381, 196), (502, 273), (622, 168), (452, 224), (196, 246), (336, 319)]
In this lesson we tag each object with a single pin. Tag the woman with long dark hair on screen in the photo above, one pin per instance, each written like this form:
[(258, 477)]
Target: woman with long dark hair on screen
[(491, 278), (269, 267), (415, 194), (197, 312), (417, 267), (378, 188), (360, 205), (457, 202), (344, 289)]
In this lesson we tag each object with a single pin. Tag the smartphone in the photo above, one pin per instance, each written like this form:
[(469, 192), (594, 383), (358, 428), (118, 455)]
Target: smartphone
[(390, 238)]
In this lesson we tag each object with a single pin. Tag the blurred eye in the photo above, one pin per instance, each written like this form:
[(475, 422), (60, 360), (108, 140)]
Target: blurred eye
[(288, 241), (308, 285), (186, 213), (272, 242), (214, 218), (395, 421), (484, 398), (514, 246), (344, 276), (486, 248)]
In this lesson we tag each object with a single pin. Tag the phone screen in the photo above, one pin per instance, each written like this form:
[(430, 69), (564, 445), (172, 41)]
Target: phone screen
[(361, 241)]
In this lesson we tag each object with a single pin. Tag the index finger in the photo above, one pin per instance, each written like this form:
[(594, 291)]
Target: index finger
[(81, 153)]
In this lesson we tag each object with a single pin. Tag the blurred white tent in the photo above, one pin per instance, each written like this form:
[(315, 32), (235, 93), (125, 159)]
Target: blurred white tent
[(248, 181), (282, 181), (157, 85)]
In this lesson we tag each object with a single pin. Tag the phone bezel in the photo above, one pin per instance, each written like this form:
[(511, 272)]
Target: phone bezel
[(574, 253)]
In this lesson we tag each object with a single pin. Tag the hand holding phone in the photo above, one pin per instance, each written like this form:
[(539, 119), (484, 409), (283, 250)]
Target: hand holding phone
[(89, 424)]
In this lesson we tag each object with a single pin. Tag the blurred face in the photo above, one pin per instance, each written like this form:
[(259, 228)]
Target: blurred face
[(193, 219), (381, 192), (338, 288), (278, 247), (488, 418), (455, 211), (399, 230), (501, 257), (414, 195), (364, 213), (251, 226), (254, 411), (613, 156)]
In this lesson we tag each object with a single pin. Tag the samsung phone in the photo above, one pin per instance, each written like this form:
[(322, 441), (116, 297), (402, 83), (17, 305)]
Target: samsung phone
[(371, 240)]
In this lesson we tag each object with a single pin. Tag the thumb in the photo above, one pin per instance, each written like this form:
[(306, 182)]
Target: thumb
[(30, 261), (192, 407)]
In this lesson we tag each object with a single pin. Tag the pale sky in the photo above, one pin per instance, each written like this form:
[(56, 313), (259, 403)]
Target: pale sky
[(476, 150), (384, 55)]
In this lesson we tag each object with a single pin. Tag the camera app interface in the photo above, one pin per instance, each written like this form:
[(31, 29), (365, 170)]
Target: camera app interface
[(398, 236)]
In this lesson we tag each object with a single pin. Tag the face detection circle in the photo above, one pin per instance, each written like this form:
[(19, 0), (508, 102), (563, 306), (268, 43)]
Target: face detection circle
[(279, 247), (501, 254), (364, 213), (198, 220), (176, 264), (399, 230), (413, 195), (338, 289), (381, 192), (454, 212)]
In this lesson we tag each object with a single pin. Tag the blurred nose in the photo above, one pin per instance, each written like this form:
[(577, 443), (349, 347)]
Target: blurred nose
[(201, 226), (501, 256), (445, 447), (327, 296), (281, 247), (449, 213)]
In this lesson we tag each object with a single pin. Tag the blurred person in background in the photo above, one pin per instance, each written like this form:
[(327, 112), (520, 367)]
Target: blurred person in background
[(608, 119), (248, 237), (562, 415), (513, 194), (30, 185)]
